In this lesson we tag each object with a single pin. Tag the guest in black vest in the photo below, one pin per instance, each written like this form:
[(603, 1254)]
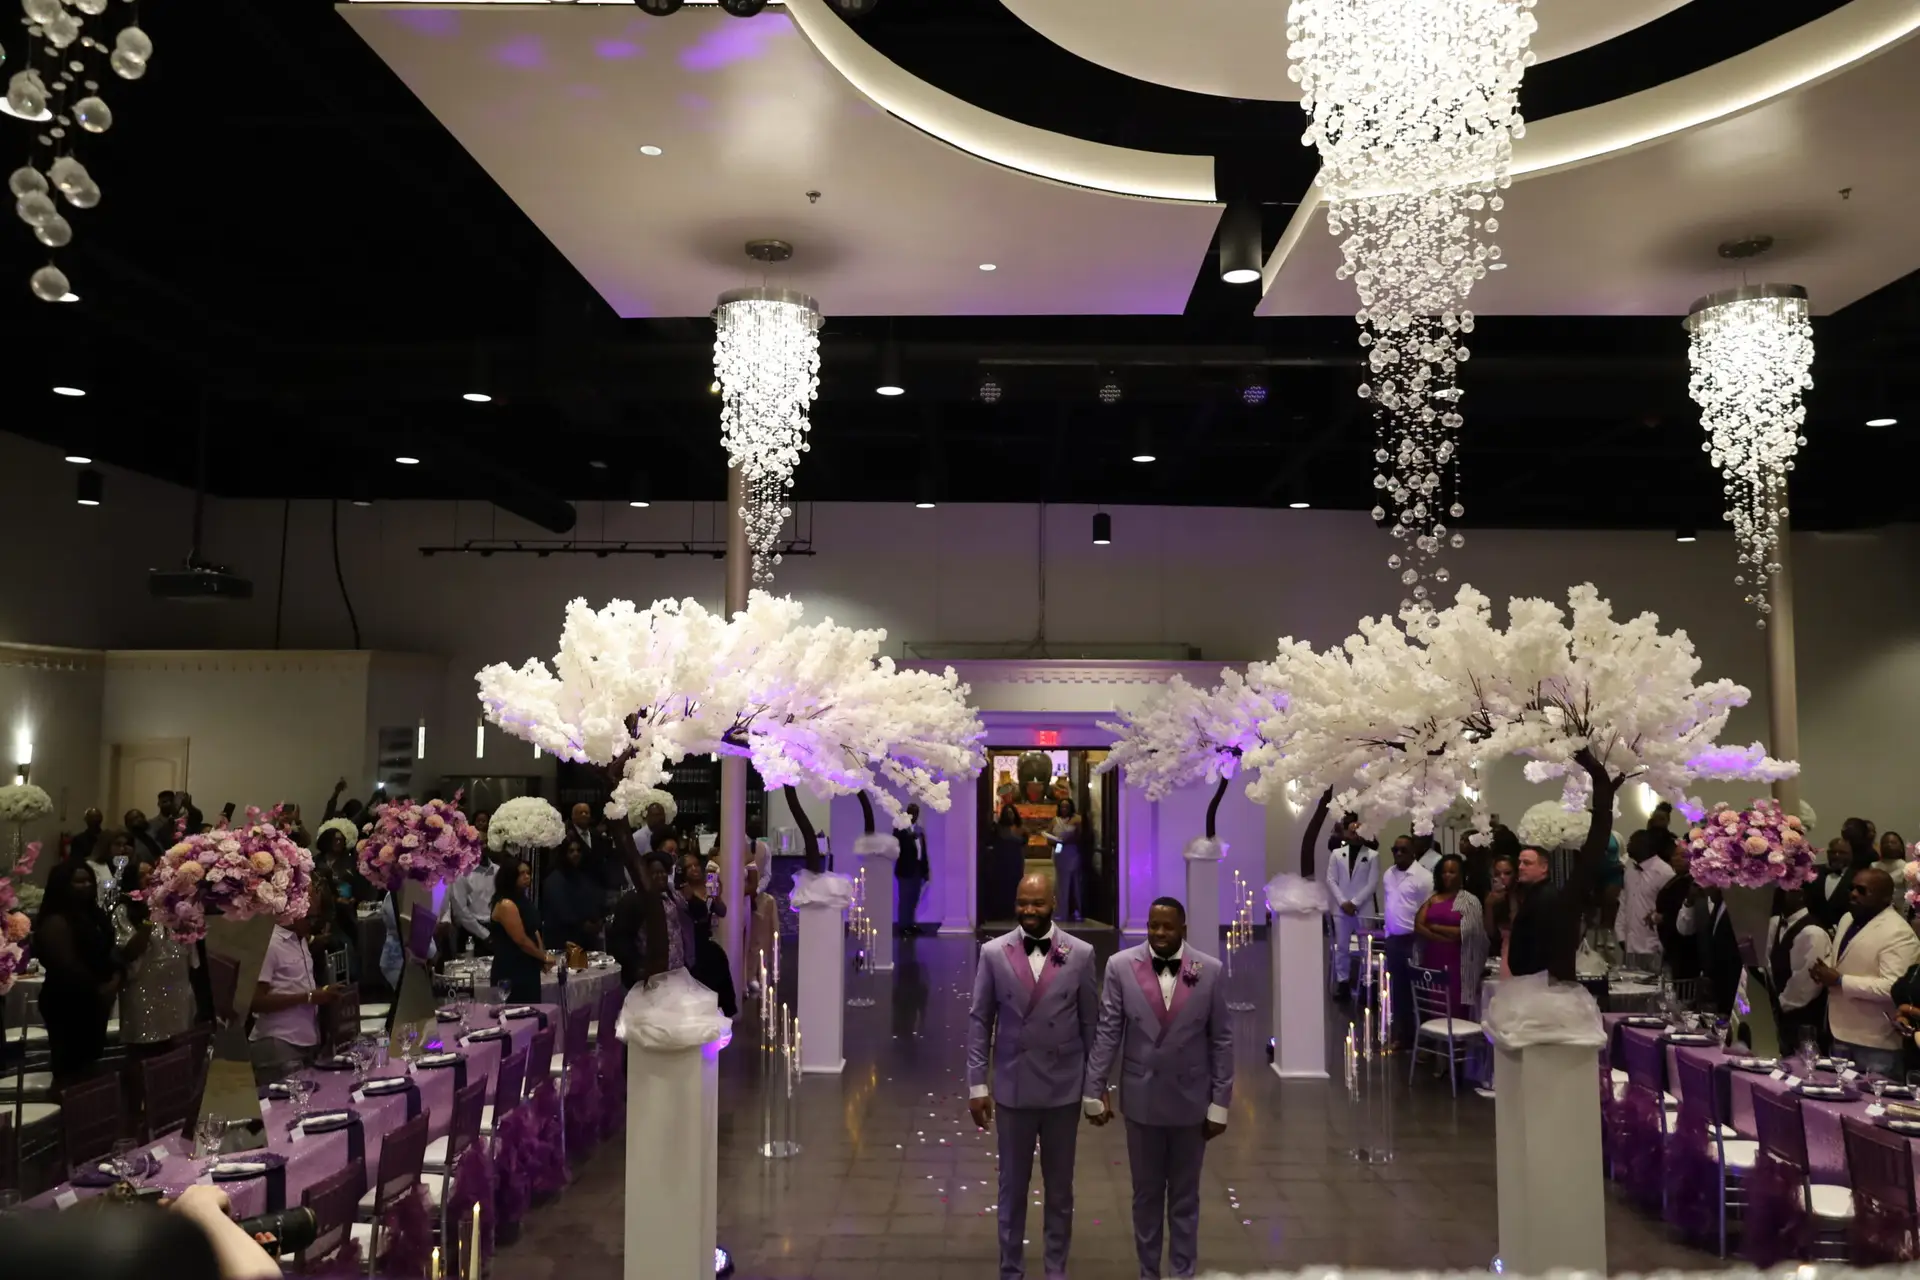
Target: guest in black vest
[(1831, 893), (1681, 951), (1709, 916), (911, 870), (1799, 940)]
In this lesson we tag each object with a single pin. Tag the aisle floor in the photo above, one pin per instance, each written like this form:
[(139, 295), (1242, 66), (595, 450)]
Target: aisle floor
[(892, 1174)]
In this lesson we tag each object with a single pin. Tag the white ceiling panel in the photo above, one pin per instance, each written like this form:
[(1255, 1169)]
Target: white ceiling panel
[(556, 103)]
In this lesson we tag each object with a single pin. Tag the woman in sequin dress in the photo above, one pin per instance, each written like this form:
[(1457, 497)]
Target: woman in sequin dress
[(157, 1002)]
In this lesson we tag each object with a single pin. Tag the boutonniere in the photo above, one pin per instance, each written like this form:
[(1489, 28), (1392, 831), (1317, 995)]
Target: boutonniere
[(1191, 974), (1060, 952)]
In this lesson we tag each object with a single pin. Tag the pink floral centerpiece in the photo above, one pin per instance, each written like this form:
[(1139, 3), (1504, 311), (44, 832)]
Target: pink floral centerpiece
[(1757, 848), (432, 843), (15, 928), (239, 873)]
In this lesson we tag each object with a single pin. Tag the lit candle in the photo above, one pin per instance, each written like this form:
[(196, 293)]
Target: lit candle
[(435, 1272), (473, 1250)]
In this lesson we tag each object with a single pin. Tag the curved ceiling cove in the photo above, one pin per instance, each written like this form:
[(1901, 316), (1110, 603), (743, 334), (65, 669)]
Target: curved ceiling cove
[(1238, 48)]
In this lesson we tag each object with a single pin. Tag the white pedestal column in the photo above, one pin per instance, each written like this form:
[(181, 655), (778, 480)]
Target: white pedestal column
[(1547, 1149), (1296, 940), (822, 987), (1203, 858), (673, 1109), (878, 854)]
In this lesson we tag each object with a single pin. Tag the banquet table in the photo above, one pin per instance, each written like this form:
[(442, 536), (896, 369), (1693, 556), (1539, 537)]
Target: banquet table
[(583, 987), (1826, 1148), (313, 1157)]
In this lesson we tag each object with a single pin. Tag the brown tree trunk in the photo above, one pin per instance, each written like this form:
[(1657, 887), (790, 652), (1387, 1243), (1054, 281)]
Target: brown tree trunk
[(866, 810), (1310, 842), (1213, 809), (809, 839), (1586, 867)]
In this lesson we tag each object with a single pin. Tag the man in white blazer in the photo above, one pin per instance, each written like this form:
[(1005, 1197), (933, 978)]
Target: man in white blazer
[(1353, 874), (1873, 948)]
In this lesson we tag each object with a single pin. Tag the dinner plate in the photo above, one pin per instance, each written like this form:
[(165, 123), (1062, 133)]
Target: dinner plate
[(1900, 1126), (1825, 1092), (234, 1170), (1691, 1038), (437, 1060)]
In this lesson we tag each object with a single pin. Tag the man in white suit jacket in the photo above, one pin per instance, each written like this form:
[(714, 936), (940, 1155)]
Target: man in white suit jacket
[(1873, 948), (1353, 874)]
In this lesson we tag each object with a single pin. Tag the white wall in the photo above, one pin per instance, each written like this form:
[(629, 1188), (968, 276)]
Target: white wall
[(1225, 580), (50, 698)]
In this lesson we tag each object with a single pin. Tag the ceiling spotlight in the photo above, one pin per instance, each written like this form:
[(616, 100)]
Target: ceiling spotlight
[(77, 460), (1102, 529), (1685, 535), (890, 383), (405, 461), (1143, 443), (649, 150), (923, 506), (639, 502), (1298, 506), (989, 266), (477, 397), (1241, 250), (661, 8), (713, 388), (743, 8), (1110, 389), (89, 488), (68, 391), (361, 502), (1253, 390), (989, 389), (1883, 422)]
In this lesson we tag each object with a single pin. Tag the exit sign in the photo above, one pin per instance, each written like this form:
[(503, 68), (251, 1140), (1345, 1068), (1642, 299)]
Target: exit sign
[(1046, 737)]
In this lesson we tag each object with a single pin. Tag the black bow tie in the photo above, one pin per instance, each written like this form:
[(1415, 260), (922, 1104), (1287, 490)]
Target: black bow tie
[(1165, 964), (1033, 945)]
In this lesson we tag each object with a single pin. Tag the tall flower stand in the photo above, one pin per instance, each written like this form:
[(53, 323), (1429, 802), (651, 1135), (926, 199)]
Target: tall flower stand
[(1750, 911), (1546, 1038), (236, 952), (1203, 857), (878, 852), (1298, 945), (822, 899), (674, 1032)]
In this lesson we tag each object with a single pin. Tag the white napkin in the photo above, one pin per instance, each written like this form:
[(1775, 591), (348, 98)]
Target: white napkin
[(239, 1166)]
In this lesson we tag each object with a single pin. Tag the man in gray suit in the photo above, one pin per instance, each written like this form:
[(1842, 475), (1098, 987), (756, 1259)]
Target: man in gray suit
[(1033, 998), (1163, 1011)]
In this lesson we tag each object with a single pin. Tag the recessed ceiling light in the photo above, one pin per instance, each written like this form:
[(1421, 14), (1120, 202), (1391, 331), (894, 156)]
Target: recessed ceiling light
[(989, 266), (1243, 275), (77, 460), (923, 506), (477, 397), (596, 464), (1298, 506), (69, 297), (1685, 535), (1882, 422), (639, 502), (1144, 457), (405, 461), (713, 388), (89, 502), (889, 389), (68, 391), (361, 502), (649, 150)]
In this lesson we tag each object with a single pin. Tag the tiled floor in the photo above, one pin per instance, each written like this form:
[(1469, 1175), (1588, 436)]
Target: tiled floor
[(893, 1181)]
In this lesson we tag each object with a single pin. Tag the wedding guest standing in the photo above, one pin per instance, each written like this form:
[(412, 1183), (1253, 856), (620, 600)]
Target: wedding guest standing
[(1646, 873), (911, 871), (73, 941), (1799, 942), (1034, 1015), (1163, 1016), (1451, 935), (1068, 836), (571, 901), (1545, 934), (1893, 861), (1403, 888), (1874, 949), (1353, 873), (519, 955), (1006, 864), (81, 846), (709, 964), (286, 1014), (157, 1002), (1498, 907)]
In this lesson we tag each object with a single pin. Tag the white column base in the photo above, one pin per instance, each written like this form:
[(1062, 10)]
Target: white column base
[(880, 882), (1547, 1146), (1203, 905), (822, 987), (1299, 996), (673, 1116)]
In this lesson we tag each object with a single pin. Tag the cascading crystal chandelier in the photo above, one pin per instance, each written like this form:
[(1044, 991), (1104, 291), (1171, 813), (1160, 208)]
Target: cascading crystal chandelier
[(1752, 357), (1414, 106), (766, 356)]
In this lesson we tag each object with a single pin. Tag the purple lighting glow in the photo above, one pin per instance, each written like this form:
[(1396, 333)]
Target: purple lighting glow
[(431, 22), (524, 52), (739, 40), (617, 50)]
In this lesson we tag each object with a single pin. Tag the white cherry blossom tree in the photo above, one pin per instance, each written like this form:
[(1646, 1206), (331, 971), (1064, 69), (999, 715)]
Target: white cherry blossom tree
[(1183, 735)]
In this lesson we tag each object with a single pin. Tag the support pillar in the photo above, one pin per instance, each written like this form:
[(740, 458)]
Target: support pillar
[(1203, 857), (1547, 1156), (822, 988), (1297, 941), (1783, 688), (733, 844), (879, 854), (673, 1110)]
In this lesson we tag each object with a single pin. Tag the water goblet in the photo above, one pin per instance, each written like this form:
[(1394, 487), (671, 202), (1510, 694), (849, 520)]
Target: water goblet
[(210, 1136), (120, 1162)]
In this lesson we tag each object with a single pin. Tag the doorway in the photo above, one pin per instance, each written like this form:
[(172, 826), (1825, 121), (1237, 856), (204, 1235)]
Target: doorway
[(139, 771), (1032, 781)]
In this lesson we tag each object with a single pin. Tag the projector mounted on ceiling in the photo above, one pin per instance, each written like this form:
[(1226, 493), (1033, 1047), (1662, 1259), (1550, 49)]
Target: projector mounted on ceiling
[(198, 583)]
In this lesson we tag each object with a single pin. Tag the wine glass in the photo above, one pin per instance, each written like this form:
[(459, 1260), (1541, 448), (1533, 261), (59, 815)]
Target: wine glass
[(1808, 1051), (210, 1136), (410, 1043), (124, 1161)]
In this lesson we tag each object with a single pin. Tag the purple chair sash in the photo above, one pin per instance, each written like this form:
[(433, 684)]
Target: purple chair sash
[(512, 1183), (1775, 1225), (546, 1160), (409, 1236), (473, 1182)]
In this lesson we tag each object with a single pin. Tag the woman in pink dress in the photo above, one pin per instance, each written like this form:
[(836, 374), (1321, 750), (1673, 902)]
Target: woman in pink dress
[(1451, 935)]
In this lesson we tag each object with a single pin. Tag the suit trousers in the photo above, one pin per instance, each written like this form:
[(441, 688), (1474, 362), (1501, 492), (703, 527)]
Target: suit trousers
[(1344, 928), (1066, 881), (1057, 1129), (1400, 983), (910, 887), (1165, 1161)]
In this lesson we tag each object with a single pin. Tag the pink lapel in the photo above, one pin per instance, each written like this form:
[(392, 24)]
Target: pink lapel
[(1047, 969), (1022, 971), (1150, 988)]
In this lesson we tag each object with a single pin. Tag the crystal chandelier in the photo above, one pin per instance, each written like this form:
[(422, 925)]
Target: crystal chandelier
[(1752, 356), (57, 91), (766, 356), (1414, 106)]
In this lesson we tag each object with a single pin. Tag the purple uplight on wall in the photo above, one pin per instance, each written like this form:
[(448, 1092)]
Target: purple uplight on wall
[(524, 52), (617, 50), (736, 40)]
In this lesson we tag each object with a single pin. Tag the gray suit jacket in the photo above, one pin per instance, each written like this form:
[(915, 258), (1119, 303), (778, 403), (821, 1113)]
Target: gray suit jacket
[(1041, 1031), (1174, 1062)]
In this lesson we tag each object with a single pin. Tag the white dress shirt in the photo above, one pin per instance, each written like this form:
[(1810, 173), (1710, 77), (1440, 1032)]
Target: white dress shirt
[(1430, 859), (470, 899), (1036, 960), (1810, 944), (1644, 882), (1216, 1114), (1402, 893)]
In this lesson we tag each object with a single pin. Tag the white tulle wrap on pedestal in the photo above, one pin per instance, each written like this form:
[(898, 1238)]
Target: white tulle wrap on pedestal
[(1533, 1011), (822, 889), (672, 1011), (1291, 895), (1205, 849), (878, 844)]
